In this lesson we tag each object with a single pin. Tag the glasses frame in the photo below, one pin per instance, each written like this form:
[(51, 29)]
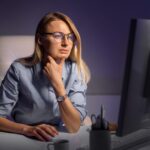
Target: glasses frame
[(62, 36)]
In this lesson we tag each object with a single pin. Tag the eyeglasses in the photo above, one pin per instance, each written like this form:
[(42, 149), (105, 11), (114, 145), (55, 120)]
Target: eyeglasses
[(59, 36)]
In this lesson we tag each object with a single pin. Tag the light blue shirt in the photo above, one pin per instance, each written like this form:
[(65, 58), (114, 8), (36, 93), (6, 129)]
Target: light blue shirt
[(27, 96)]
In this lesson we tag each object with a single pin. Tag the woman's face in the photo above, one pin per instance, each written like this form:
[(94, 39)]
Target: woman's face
[(54, 42)]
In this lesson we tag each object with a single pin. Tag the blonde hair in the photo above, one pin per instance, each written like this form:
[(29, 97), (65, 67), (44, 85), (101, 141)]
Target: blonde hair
[(75, 54)]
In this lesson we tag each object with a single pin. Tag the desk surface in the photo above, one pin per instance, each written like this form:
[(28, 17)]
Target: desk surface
[(11, 141), (77, 141), (139, 140)]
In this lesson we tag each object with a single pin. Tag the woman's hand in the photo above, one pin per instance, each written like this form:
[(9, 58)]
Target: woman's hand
[(53, 70), (42, 132)]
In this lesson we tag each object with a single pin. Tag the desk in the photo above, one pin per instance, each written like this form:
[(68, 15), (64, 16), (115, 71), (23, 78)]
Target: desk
[(77, 141)]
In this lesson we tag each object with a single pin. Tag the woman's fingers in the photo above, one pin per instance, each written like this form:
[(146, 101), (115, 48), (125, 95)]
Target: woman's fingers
[(42, 134), (45, 132), (50, 130), (50, 59), (53, 130), (38, 135)]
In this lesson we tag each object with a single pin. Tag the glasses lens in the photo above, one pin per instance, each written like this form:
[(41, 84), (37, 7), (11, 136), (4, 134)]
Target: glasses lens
[(71, 37), (58, 36)]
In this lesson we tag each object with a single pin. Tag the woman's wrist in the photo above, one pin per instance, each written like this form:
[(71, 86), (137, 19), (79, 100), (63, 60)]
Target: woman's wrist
[(25, 130), (60, 90)]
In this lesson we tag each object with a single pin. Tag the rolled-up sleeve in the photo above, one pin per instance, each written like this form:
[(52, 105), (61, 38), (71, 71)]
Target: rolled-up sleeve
[(9, 92), (77, 95)]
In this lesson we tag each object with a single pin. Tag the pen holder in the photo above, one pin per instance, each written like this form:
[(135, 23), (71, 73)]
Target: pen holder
[(100, 140)]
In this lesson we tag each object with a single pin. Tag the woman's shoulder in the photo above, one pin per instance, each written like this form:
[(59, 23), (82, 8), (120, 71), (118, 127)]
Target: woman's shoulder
[(17, 65), (20, 70)]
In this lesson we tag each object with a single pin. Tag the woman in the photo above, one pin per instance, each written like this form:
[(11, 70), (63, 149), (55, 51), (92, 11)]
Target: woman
[(46, 90)]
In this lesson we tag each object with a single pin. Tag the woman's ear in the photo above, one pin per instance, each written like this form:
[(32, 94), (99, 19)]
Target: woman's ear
[(40, 39)]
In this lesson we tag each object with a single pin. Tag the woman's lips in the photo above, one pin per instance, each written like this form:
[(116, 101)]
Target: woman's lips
[(64, 51)]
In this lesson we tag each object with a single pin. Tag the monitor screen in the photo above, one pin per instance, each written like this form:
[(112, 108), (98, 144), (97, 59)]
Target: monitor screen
[(134, 111)]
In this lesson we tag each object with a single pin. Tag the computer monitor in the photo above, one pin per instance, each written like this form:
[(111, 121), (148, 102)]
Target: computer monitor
[(134, 111)]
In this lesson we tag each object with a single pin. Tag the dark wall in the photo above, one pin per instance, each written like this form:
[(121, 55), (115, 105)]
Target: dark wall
[(103, 27)]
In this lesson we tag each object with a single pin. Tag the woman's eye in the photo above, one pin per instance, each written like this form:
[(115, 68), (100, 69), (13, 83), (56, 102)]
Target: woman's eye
[(57, 35)]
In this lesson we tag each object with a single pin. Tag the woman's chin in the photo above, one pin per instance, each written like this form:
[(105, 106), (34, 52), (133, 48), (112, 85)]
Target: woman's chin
[(62, 57)]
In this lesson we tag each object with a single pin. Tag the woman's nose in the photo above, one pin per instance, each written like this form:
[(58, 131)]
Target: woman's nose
[(64, 41)]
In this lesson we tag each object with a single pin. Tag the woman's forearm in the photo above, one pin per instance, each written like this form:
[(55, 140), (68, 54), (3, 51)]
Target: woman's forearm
[(10, 126), (43, 132), (70, 115)]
